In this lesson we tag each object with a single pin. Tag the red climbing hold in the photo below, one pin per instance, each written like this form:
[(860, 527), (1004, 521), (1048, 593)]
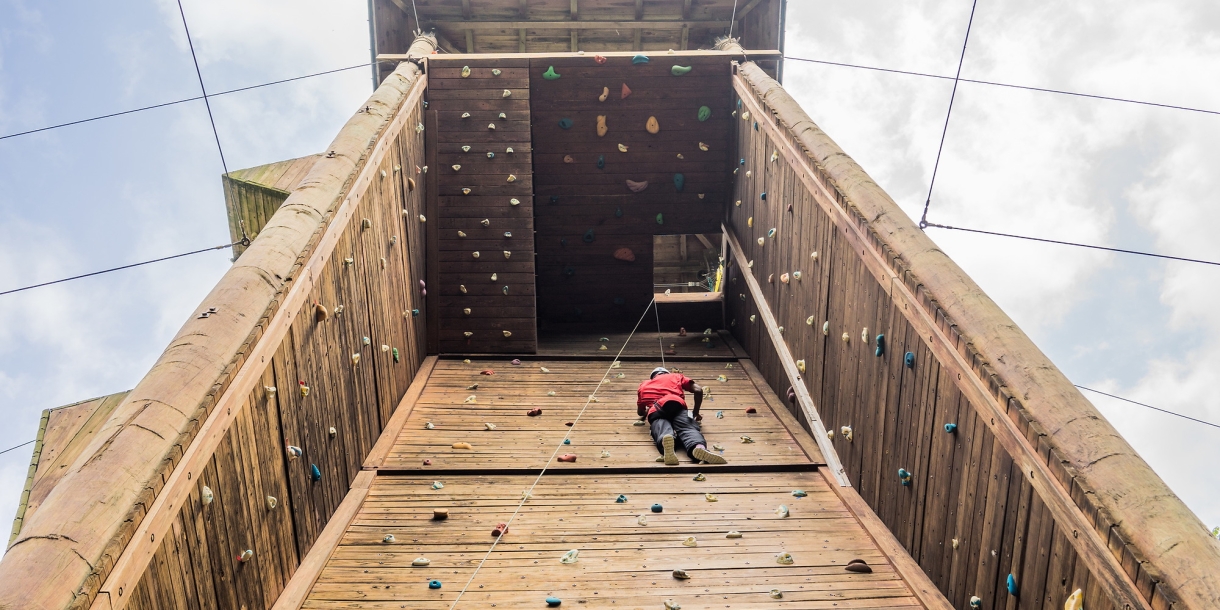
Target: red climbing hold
[(626, 91), (570, 424), (601, 60), (534, 412), (487, 372), (516, 362), (568, 457), (625, 255), (671, 352), (751, 410), (427, 462), (858, 566), (501, 529)]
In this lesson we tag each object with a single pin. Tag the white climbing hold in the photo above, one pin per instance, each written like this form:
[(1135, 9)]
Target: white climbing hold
[(571, 556), (800, 366), (332, 432), (782, 512), (846, 432), (503, 116), (507, 333), (956, 542), (270, 389), (749, 173), (465, 71), (814, 256), (551, 393), (512, 178), (605, 454), (462, 288), (438, 485), (733, 534), (761, 241), (206, 495), (457, 168), (494, 276), (429, 425), (864, 335), (616, 364), (507, 254), (489, 426), (388, 538), (465, 190), (846, 337), (774, 156), (465, 115), (784, 559), (271, 502), (672, 605), (642, 520), (776, 594), (711, 497), (466, 149), (355, 358), (461, 234), (421, 562), (475, 254), (245, 556), (745, 440), (544, 369), (690, 541), (622, 148), (605, 94), (491, 126), (514, 201), (423, 218), (703, 147), (470, 400), (509, 150), (506, 93)]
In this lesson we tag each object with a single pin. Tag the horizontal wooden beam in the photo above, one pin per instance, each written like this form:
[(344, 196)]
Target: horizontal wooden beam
[(756, 55), (578, 25)]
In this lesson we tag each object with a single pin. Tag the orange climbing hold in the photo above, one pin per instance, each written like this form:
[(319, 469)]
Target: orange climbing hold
[(625, 254), (751, 410), (487, 372), (501, 529), (626, 91), (568, 457)]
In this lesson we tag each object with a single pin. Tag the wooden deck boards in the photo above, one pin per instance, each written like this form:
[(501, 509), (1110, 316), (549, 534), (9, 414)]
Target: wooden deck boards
[(520, 441), (621, 563), (643, 344)]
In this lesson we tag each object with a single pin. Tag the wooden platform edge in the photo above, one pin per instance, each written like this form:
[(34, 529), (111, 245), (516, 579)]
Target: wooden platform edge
[(804, 399), (786, 418), (306, 574), (903, 563), (377, 455)]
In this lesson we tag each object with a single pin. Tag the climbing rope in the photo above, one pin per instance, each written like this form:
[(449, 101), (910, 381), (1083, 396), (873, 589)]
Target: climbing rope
[(528, 492), (660, 343)]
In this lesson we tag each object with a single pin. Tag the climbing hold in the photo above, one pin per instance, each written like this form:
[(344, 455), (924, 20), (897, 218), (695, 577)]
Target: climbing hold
[(571, 556), (904, 477), (567, 441), (784, 278), (544, 369), (763, 196), (1075, 601), (679, 182), (206, 495), (762, 241), (755, 125), (550, 73), (319, 312), (514, 201), (395, 352), (710, 497), (420, 562), (796, 275), (434, 584), (461, 234), (489, 426), (496, 72), (465, 115), (880, 351), (567, 457), (625, 92), (505, 290), (640, 58), (605, 454), (705, 113), (800, 366), (304, 389), (512, 178), (782, 512), (315, 473), (553, 601), (784, 559), (501, 529), (388, 538), (858, 566), (950, 428), (681, 575), (491, 155), (601, 164), (437, 485), (753, 318), (508, 150), (771, 232), (588, 237), (429, 425), (355, 358), (502, 116), (864, 334), (475, 254), (733, 534), (636, 187), (750, 221), (465, 190), (427, 462), (660, 219), (774, 156), (491, 126), (620, 499), (622, 148), (462, 445), (975, 602), (465, 71), (605, 94), (457, 168), (507, 333), (642, 520), (566, 123), (847, 433), (799, 493), (466, 149), (1012, 585), (776, 594), (439, 514), (293, 451), (652, 126), (535, 412), (751, 410), (602, 129), (719, 414), (846, 337), (245, 556), (690, 541), (656, 508), (672, 605), (508, 234), (508, 254), (680, 70), (332, 432)]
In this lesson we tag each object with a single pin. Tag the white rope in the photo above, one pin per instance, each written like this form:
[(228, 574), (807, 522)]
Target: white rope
[(732, 21), (526, 495), (659, 342)]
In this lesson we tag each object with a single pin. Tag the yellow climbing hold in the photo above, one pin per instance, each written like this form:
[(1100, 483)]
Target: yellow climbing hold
[(462, 445), (622, 148), (512, 178), (465, 71), (750, 221), (704, 147), (470, 400), (457, 168), (1075, 601), (652, 125), (605, 94), (602, 129), (776, 594), (800, 366), (465, 190), (784, 559), (489, 426), (690, 541), (710, 497)]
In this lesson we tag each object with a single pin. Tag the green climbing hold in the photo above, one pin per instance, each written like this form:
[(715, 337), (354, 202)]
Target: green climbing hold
[(601, 161), (566, 123), (638, 59), (656, 508), (660, 219), (618, 212), (621, 499), (550, 73), (434, 584), (588, 238), (679, 182), (680, 70), (705, 113), (553, 601), (395, 350)]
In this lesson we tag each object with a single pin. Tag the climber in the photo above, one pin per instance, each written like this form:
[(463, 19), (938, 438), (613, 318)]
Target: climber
[(661, 401)]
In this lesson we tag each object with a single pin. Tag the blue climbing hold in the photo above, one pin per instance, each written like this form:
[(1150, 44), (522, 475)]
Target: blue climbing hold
[(909, 360), (656, 508), (315, 474), (601, 161), (763, 196), (620, 301), (1012, 585), (755, 125), (618, 212), (950, 428), (639, 59), (414, 313), (679, 182), (569, 271), (566, 123), (904, 477), (621, 499), (553, 601), (434, 584), (588, 238), (554, 199), (799, 493), (741, 162), (880, 346), (563, 242), (567, 441), (739, 103)]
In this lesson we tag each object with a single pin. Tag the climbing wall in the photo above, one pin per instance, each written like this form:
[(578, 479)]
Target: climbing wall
[(484, 243), (595, 216)]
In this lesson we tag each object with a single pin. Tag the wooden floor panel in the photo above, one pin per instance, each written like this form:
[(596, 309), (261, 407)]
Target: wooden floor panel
[(621, 563), (643, 344), (520, 441)]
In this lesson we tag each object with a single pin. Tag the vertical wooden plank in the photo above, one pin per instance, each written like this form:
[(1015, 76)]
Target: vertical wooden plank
[(432, 239)]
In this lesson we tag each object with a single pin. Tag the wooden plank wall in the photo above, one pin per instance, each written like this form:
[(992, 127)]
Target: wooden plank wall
[(969, 518), (369, 288), (501, 314), (580, 284)]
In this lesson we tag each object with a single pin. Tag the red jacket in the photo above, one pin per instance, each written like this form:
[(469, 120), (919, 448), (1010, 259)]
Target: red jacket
[(662, 389)]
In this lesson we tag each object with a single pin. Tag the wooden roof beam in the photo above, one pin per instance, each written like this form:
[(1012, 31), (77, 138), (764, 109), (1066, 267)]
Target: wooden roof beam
[(675, 24), (745, 10)]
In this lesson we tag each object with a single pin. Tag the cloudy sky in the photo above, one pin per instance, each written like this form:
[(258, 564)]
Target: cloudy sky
[(145, 185)]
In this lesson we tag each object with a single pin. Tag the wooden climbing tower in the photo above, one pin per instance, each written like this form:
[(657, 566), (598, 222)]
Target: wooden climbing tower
[(541, 202)]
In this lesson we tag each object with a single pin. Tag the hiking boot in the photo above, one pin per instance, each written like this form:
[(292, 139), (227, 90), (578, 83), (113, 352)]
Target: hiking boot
[(703, 455), (671, 458)]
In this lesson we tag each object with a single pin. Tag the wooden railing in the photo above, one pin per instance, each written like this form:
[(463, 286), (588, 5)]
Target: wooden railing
[(212, 479), (894, 351)]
